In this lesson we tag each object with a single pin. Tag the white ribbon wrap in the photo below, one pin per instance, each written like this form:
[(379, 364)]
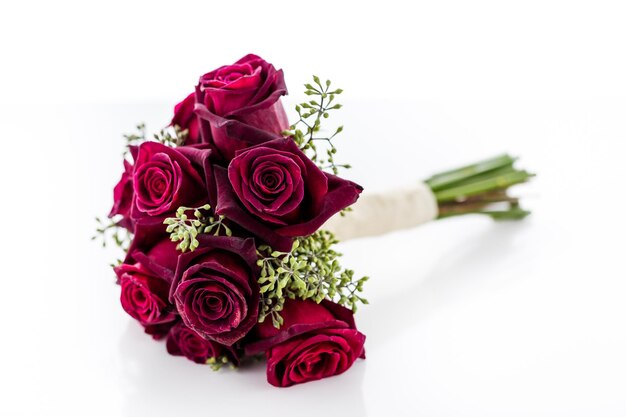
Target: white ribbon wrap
[(379, 213)]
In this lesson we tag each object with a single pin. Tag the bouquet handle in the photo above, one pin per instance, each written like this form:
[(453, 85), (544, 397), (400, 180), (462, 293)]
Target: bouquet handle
[(380, 213)]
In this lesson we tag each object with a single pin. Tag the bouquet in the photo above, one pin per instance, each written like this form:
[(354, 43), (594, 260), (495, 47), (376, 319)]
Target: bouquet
[(229, 219)]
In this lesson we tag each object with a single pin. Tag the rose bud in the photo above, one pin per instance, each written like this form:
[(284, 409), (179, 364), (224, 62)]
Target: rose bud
[(185, 118), (166, 178), (238, 105), (182, 341), (123, 197), (277, 193), (215, 289), (315, 341)]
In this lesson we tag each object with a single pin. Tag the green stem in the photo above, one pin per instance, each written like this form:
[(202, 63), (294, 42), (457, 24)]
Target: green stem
[(482, 186), (475, 188), (444, 179), (515, 213)]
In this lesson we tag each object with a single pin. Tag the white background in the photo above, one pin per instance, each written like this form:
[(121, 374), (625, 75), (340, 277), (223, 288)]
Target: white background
[(467, 317)]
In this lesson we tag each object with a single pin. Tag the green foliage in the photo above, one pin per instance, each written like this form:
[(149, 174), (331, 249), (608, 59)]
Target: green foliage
[(305, 131), (217, 363), (185, 230), (170, 136), (134, 139), (310, 271), (110, 230)]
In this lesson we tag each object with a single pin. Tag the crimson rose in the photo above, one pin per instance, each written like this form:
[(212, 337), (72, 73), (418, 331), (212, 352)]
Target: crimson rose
[(238, 105), (182, 341), (315, 341), (146, 276), (215, 288), (276, 192), (123, 197), (185, 118), (144, 297), (152, 247), (166, 178)]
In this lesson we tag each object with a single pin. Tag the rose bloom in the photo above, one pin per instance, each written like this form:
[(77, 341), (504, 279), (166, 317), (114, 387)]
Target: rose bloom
[(182, 341), (146, 276), (123, 197), (185, 118), (277, 193), (315, 341), (215, 289), (152, 247), (238, 105), (166, 178), (144, 297)]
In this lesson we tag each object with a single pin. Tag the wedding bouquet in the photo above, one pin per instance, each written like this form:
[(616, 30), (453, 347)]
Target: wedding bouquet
[(229, 217)]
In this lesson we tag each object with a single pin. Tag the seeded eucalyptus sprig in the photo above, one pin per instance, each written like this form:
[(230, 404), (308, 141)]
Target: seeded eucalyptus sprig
[(172, 136), (310, 271), (137, 137), (217, 363), (111, 230), (305, 131), (185, 230)]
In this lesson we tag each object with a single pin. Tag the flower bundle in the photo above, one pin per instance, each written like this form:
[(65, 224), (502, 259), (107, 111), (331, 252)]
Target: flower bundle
[(222, 219)]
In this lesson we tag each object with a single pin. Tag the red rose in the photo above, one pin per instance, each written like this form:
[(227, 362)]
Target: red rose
[(182, 341), (215, 288), (152, 247), (315, 341), (166, 178), (238, 105), (123, 196), (185, 118), (144, 297), (146, 276), (277, 193)]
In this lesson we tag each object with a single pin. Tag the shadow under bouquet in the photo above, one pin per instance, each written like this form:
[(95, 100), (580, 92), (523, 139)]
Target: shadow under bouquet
[(229, 216)]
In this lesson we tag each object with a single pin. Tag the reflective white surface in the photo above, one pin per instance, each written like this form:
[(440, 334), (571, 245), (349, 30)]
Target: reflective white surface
[(467, 317)]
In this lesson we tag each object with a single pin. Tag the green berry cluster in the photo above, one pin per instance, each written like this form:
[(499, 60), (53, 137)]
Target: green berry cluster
[(310, 271), (306, 130), (185, 230)]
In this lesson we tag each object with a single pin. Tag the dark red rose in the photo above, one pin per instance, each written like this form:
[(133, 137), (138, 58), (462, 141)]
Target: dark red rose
[(144, 297), (215, 288), (146, 276), (315, 341), (276, 192), (238, 105), (166, 178), (182, 341), (123, 196), (152, 247), (185, 118)]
